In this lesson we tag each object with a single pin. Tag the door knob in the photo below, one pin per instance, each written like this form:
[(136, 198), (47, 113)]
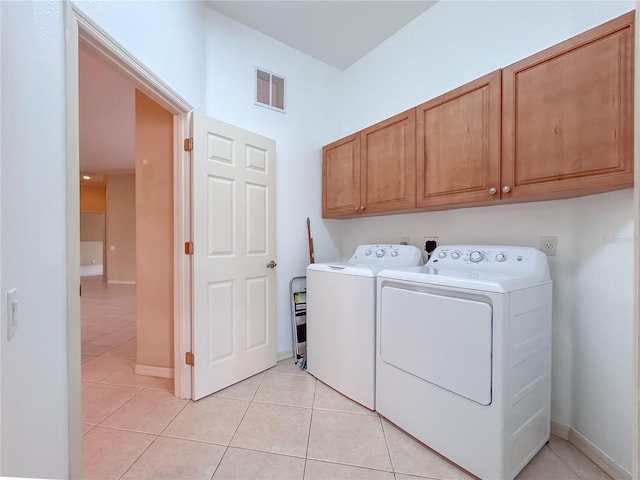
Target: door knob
[(271, 264)]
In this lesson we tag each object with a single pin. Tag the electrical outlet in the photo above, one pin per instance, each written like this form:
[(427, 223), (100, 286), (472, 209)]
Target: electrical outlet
[(549, 245), (434, 245)]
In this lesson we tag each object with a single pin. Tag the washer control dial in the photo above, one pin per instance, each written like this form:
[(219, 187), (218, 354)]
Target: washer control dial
[(442, 254), (367, 253), (455, 255), (501, 257), (394, 253), (380, 253), (476, 256)]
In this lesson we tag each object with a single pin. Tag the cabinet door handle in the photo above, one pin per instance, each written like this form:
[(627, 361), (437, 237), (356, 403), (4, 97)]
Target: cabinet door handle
[(492, 191), (357, 208), (362, 208), (506, 189)]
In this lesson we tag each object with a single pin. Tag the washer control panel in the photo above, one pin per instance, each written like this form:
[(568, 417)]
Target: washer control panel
[(389, 254), (490, 258)]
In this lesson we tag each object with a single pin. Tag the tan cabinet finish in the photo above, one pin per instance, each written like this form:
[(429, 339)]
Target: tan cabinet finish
[(372, 171), (341, 177), (388, 167), (555, 125), (458, 145), (568, 116)]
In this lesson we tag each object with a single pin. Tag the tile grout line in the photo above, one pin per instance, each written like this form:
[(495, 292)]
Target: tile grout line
[(386, 443), (226, 449), (313, 403)]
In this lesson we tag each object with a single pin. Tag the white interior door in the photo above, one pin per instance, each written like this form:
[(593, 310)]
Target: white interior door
[(234, 288)]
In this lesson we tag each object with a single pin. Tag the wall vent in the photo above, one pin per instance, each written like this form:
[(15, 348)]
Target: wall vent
[(270, 90)]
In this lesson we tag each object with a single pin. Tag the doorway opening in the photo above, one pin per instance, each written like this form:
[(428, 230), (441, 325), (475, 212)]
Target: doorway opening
[(81, 32)]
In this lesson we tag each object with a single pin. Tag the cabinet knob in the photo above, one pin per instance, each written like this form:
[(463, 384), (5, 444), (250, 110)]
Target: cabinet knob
[(492, 191), (362, 208), (357, 208), (506, 189)]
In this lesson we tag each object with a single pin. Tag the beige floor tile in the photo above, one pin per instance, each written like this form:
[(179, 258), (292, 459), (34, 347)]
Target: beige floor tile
[(211, 419), (410, 457), (327, 398), (86, 385), (547, 466), (99, 368), (289, 367), (580, 464), (86, 358), (126, 350), (173, 458), (148, 412), (99, 401), (292, 390), (108, 453), (95, 347), (118, 337), (86, 428), (240, 464), (275, 429), (316, 470), (244, 390), (96, 331), (348, 438), (128, 378), (166, 384)]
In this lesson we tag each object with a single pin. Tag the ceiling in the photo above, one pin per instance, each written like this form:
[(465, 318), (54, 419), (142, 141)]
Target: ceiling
[(337, 33), (107, 115)]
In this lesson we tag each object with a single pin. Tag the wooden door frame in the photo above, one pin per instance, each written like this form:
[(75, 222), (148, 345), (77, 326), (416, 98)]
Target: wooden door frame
[(78, 26)]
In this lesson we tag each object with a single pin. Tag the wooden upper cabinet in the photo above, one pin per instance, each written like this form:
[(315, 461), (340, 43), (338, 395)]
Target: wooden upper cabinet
[(568, 116), (387, 180), (458, 145), (341, 177)]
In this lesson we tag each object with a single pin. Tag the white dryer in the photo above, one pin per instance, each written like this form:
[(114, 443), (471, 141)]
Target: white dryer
[(341, 306), (463, 357)]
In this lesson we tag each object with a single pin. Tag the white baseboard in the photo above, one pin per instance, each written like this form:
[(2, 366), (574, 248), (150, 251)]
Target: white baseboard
[(284, 355), (560, 430), (151, 371), (593, 453), (122, 282)]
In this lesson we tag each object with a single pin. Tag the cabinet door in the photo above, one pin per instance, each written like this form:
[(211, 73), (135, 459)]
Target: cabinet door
[(568, 116), (341, 177), (388, 165), (458, 151)]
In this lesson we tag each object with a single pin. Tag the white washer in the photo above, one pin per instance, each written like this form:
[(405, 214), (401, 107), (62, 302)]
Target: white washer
[(341, 305), (463, 357)]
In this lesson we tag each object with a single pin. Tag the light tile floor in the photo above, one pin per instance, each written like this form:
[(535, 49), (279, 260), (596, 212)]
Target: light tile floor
[(280, 424)]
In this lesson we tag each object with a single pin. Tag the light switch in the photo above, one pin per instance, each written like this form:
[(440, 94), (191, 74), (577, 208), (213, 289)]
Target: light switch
[(12, 312)]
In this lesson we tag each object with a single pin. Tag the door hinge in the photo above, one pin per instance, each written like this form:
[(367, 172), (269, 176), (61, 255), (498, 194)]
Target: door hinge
[(189, 360), (188, 248), (188, 144)]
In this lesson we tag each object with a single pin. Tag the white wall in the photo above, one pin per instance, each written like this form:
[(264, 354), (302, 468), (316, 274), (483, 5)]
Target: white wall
[(449, 45), (233, 51), (34, 363), (166, 36)]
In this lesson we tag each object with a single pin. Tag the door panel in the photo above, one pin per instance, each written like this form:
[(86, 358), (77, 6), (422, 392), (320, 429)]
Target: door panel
[(234, 324), (458, 152)]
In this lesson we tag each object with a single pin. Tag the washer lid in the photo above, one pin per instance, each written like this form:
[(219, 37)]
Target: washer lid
[(344, 268)]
